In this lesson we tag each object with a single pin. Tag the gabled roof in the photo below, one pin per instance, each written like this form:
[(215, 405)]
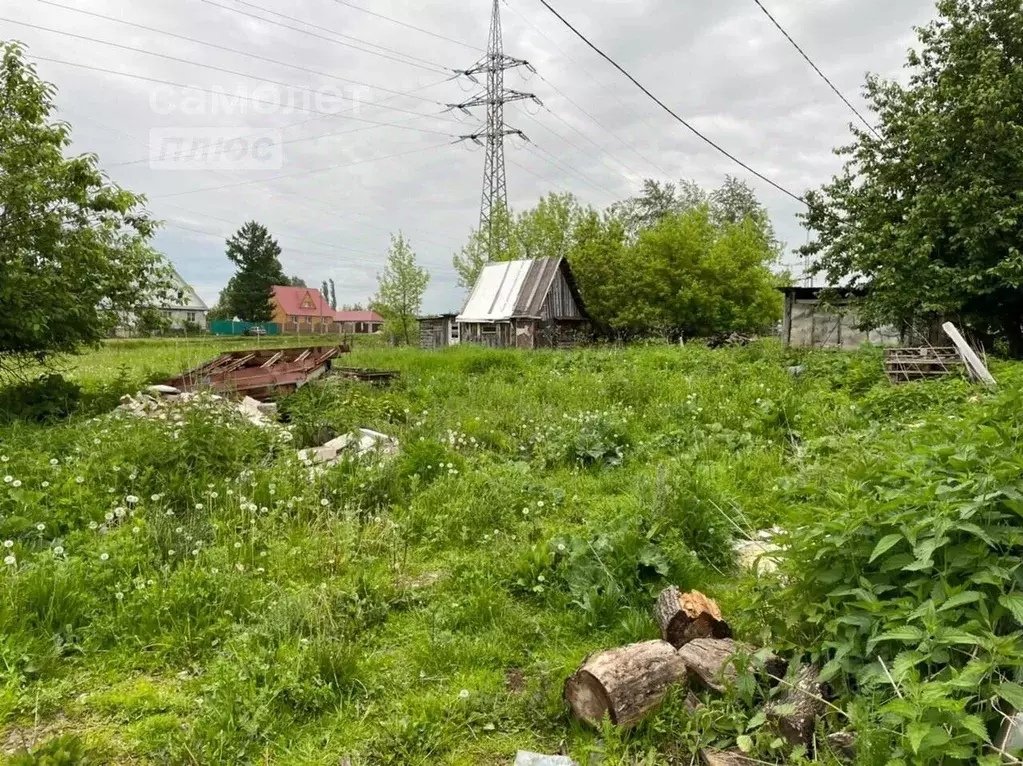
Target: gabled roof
[(357, 316), (181, 295), (302, 301), (512, 289)]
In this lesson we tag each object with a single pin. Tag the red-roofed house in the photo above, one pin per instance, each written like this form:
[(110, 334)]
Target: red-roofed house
[(359, 322), (301, 310)]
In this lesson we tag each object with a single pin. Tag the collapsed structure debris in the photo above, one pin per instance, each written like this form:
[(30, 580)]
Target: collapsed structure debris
[(260, 373), (903, 365), (366, 375)]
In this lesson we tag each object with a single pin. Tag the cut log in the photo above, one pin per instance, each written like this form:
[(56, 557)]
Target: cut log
[(712, 757), (707, 661), (796, 710), (843, 744), (624, 683), (684, 617)]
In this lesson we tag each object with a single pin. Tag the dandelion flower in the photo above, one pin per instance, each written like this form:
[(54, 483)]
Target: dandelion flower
[(237, 545), (539, 503), (4, 458), (54, 461), (240, 567), (16, 483), (324, 502), (561, 546), (135, 530), (79, 480), (131, 499), (154, 498), (118, 595), (40, 526), (58, 551), (104, 556), (93, 525), (8, 543), (8, 479), (198, 506), (195, 551), (464, 694), (109, 516), (10, 561), (45, 484)]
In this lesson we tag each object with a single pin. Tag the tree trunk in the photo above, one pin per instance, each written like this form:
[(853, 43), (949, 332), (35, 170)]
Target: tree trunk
[(795, 712), (624, 683), (684, 617)]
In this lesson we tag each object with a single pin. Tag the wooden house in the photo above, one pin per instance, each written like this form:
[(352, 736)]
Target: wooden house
[(438, 331), (525, 304)]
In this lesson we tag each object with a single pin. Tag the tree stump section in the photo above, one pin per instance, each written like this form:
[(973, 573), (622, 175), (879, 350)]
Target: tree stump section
[(796, 711), (624, 683), (684, 617)]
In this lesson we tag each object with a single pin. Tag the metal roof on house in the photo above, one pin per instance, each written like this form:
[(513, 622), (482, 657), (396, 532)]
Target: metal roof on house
[(511, 289)]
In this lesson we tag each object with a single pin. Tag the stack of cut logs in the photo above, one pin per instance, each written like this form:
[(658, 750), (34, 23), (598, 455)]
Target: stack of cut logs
[(697, 650)]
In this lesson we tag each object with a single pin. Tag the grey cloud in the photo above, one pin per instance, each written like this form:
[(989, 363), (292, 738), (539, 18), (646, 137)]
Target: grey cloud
[(720, 64)]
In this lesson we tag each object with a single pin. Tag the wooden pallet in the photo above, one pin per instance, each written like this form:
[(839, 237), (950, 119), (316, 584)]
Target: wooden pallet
[(903, 365)]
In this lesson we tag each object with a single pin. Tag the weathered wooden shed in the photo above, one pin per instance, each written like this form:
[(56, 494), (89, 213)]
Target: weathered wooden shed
[(438, 331), (811, 322), (525, 304)]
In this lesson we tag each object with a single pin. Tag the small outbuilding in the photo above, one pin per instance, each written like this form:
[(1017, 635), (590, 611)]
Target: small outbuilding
[(817, 317), (438, 331), (525, 304)]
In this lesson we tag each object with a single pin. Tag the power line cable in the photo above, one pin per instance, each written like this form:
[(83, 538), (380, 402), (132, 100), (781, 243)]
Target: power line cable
[(213, 68), (668, 109), (410, 26), (241, 52), (234, 95), (406, 59), (816, 68)]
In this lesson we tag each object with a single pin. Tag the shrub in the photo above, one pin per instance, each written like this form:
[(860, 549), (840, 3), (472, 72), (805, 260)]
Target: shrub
[(45, 399)]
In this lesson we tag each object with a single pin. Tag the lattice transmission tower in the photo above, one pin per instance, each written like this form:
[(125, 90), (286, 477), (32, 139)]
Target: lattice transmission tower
[(494, 64)]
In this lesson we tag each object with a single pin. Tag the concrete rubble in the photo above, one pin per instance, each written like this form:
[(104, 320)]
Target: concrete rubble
[(362, 442), (524, 758), (756, 554), (155, 401)]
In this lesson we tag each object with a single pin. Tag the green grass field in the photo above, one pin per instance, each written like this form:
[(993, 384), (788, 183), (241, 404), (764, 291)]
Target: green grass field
[(185, 591)]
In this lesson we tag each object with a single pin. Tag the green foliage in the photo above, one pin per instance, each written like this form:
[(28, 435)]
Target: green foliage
[(927, 216), (46, 399), (65, 750), (400, 292), (189, 590), (256, 254), (74, 252)]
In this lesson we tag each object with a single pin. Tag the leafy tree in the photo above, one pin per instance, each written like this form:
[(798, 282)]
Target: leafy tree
[(75, 258), (333, 296), (256, 254), (400, 292), (325, 291), (929, 216), (686, 275), (469, 262), (295, 282), (655, 202)]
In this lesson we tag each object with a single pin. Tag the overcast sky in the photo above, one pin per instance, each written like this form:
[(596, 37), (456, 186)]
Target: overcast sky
[(350, 172)]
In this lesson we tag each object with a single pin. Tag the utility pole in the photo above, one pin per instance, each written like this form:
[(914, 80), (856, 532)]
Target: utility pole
[(494, 64)]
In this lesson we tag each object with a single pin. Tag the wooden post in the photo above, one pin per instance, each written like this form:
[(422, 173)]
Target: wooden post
[(973, 362)]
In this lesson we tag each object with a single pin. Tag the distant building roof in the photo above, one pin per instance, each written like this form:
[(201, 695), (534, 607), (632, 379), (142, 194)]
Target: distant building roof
[(181, 295), (357, 316), (302, 301), (510, 289)]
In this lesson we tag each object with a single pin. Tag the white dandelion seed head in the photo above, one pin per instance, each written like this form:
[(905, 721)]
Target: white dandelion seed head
[(240, 567), (40, 526), (93, 525), (104, 556), (109, 516), (171, 552), (135, 530), (324, 502), (464, 694), (8, 479), (16, 483), (79, 480), (10, 561), (8, 543), (118, 595), (131, 499), (54, 461), (45, 484), (237, 545)]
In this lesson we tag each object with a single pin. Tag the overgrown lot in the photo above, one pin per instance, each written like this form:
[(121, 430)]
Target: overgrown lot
[(183, 591)]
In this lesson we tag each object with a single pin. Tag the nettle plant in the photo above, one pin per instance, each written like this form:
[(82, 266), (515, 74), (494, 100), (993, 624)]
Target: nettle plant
[(903, 581)]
